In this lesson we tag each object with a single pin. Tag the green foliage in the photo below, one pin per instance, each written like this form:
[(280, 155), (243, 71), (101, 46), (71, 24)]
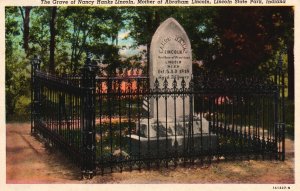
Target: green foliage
[(11, 30), (110, 137), (17, 69), (17, 86), (231, 39), (250, 38)]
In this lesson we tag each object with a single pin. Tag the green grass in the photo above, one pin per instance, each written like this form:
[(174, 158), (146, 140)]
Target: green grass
[(111, 138)]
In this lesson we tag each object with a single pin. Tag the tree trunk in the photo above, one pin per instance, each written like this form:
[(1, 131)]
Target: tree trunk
[(291, 79), (149, 29), (148, 59), (26, 21), (52, 39), (117, 35)]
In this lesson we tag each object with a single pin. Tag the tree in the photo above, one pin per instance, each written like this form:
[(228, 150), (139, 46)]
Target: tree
[(115, 19), (291, 70), (249, 37), (16, 70), (40, 30), (25, 13), (288, 27), (143, 23), (52, 39), (11, 30), (85, 28)]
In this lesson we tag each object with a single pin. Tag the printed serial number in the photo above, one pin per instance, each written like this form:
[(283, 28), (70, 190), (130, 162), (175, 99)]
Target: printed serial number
[(281, 187)]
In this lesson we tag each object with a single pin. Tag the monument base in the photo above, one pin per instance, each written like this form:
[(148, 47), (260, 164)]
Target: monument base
[(163, 146), (180, 126), (165, 136)]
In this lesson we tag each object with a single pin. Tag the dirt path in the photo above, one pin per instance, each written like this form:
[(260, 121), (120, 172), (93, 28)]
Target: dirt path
[(28, 161)]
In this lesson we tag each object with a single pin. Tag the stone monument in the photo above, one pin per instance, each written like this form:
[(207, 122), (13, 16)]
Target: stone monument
[(170, 58), (170, 61)]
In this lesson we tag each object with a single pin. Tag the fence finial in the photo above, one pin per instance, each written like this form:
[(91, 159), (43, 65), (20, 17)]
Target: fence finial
[(36, 62), (156, 84), (89, 56), (90, 64), (174, 83)]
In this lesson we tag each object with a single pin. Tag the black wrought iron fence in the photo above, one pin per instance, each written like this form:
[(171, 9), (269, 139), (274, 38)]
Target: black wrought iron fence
[(116, 123)]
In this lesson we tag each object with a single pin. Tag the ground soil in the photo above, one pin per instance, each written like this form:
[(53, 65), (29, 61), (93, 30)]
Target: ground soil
[(29, 161)]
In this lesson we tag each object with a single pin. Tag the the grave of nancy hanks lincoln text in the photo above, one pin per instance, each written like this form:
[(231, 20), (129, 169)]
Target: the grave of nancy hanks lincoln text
[(172, 121)]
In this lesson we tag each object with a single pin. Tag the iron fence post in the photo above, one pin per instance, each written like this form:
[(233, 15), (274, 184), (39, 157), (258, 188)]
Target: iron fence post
[(88, 118), (279, 110), (280, 83), (35, 93)]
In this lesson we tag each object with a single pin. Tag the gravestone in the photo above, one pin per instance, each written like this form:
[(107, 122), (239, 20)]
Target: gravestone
[(170, 58), (171, 119)]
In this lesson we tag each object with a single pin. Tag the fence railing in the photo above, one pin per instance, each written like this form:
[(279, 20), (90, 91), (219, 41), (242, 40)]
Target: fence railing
[(118, 123)]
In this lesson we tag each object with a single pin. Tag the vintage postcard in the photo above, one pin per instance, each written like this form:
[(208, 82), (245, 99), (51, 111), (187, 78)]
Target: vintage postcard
[(149, 94)]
